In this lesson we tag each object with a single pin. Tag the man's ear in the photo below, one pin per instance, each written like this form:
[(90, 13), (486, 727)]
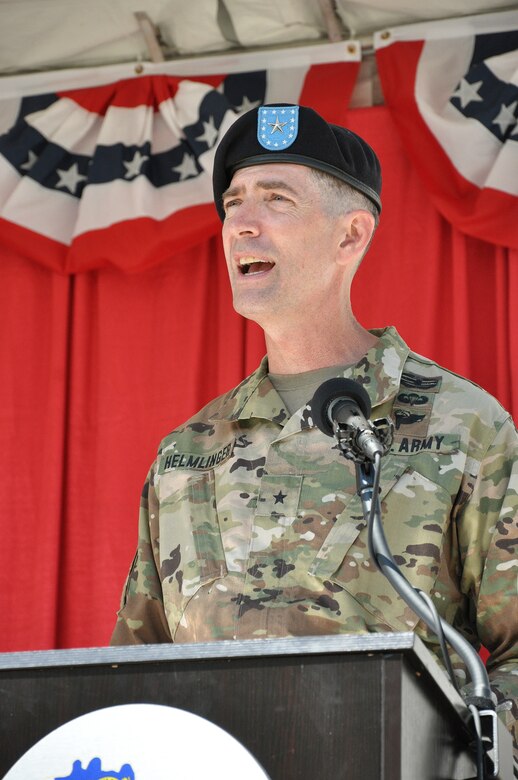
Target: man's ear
[(358, 229)]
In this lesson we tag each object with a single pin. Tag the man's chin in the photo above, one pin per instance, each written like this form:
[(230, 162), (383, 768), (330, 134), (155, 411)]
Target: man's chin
[(250, 314), (254, 310)]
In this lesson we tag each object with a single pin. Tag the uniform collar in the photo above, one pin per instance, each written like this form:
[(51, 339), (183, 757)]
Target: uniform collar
[(379, 371)]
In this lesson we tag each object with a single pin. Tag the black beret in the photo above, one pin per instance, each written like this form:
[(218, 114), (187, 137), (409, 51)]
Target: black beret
[(287, 133)]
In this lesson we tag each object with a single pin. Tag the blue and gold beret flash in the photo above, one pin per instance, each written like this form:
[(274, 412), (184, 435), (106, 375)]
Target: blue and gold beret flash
[(288, 133)]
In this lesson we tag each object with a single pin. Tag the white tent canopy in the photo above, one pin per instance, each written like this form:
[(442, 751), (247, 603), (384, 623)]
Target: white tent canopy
[(40, 35)]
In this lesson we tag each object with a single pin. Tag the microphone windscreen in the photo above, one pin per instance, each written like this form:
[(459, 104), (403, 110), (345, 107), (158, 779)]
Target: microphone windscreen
[(330, 391)]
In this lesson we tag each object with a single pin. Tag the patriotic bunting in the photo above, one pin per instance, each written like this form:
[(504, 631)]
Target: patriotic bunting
[(120, 174), (452, 88)]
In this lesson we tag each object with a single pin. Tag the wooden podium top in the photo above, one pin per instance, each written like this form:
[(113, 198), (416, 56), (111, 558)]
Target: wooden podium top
[(343, 643)]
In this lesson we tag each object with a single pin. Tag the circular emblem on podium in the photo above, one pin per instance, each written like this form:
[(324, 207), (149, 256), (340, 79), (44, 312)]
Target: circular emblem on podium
[(137, 742)]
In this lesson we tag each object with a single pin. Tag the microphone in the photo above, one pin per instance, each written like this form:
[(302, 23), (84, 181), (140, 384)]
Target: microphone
[(341, 408)]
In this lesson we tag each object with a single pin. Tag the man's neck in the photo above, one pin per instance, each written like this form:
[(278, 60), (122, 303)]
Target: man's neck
[(294, 353)]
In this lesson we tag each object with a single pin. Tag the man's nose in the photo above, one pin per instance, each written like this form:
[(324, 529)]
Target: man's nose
[(246, 220)]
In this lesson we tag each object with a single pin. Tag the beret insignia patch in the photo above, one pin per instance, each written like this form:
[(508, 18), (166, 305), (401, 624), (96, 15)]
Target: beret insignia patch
[(277, 126)]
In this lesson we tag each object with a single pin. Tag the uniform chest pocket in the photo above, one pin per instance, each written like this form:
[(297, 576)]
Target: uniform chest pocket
[(191, 548), (415, 515)]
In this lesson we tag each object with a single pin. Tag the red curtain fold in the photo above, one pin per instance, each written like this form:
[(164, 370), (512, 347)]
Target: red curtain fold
[(34, 334), (97, 368)]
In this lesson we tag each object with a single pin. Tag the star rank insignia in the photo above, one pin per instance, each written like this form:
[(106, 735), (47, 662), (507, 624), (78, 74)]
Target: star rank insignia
[(277, 126)]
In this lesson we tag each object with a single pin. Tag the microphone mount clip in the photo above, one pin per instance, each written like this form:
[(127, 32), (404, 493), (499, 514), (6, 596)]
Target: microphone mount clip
[(347, 437)]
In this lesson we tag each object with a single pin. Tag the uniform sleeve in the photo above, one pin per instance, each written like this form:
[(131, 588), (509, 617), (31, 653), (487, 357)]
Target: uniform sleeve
[(141, 618), (488, 535)]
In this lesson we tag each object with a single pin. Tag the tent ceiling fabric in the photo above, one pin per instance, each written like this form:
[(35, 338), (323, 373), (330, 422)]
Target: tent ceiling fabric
[(55, 34)]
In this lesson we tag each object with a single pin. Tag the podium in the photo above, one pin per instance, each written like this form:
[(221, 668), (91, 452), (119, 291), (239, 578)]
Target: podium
[(366, 707)]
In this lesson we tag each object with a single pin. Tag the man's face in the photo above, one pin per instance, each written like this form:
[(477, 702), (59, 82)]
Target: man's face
[(279, 243)]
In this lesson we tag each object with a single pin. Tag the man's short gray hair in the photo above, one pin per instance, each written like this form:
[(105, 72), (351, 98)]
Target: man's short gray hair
[(340, 197)]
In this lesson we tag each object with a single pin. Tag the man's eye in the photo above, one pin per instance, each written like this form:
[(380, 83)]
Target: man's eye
[(228, 204)]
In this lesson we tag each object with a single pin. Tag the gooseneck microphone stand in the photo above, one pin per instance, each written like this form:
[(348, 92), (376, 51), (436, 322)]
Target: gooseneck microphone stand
[(350, 436)]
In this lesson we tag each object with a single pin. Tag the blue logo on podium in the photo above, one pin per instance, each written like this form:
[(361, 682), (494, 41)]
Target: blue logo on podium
[(94, 772)]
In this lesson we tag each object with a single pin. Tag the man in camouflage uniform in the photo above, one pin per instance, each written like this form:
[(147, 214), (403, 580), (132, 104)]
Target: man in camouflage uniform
[(250, 522)]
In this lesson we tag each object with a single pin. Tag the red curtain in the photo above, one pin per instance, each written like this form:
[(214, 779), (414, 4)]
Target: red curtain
[(98, 367)]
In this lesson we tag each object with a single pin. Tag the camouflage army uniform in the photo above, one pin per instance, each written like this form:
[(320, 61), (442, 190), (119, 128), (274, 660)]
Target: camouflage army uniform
[(251, 526)]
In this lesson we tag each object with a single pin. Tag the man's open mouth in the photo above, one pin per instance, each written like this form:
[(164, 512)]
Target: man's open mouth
[(254, 265)]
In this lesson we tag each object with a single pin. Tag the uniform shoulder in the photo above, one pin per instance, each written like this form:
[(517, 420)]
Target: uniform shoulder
[(215, 414), (461, 393)]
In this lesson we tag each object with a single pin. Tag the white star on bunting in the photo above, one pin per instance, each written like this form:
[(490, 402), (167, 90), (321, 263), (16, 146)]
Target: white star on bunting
[(33, 158), (246, 105), (467, 93), (506, 117), (210, 133), (187, 168), (133, 167), (70, 179)]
